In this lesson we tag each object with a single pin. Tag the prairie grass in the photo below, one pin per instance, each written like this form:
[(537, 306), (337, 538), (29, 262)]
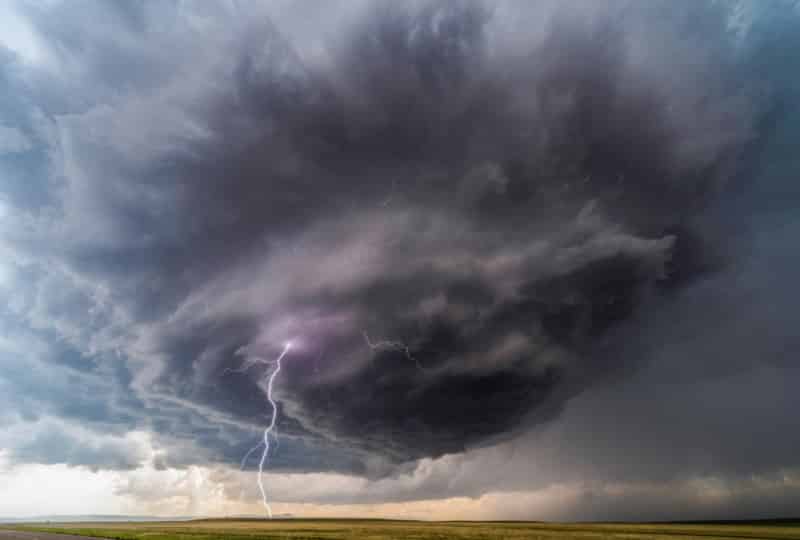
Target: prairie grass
[(356, 529)]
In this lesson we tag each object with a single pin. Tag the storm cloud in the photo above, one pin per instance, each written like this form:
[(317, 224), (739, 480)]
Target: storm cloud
[(463, 215)]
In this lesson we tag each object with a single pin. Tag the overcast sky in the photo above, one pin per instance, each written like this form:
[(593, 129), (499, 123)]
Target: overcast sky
[(535, 259)]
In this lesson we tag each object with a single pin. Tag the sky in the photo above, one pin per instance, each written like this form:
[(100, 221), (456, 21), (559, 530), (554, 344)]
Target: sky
[(535, 259)]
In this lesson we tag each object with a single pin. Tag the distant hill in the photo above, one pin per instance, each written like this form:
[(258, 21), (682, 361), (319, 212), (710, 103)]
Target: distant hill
[(795, 521)]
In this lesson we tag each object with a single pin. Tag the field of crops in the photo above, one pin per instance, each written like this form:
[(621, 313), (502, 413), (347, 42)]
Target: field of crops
[(330, 529)]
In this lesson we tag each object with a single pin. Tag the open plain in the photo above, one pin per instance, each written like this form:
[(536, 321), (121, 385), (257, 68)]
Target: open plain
[(341, 529)]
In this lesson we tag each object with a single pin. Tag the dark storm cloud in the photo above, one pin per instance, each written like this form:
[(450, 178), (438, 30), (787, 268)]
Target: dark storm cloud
[(497, 218), (458, 230), (78, 450)]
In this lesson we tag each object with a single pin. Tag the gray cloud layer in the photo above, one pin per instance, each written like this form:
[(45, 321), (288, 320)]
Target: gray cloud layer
[(463, 217)]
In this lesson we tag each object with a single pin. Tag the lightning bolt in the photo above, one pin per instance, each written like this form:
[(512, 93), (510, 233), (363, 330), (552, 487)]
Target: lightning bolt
[(270, 427), (395, 345), (250, 362)]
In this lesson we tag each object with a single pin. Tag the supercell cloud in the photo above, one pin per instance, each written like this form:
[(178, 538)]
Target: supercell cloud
[(464, 215)]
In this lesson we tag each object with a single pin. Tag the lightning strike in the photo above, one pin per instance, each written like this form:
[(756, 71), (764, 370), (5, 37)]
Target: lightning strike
[(270, 427), (392, 345), (249, 363)]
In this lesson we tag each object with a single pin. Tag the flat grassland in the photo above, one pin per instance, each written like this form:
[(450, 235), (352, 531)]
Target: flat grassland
[(339, 529)]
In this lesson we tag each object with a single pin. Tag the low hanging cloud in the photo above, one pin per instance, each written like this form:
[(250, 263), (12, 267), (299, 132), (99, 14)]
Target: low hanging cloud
[(459, 225)]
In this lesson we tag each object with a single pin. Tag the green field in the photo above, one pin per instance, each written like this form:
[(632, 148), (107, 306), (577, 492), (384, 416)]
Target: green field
[(325, 529)]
